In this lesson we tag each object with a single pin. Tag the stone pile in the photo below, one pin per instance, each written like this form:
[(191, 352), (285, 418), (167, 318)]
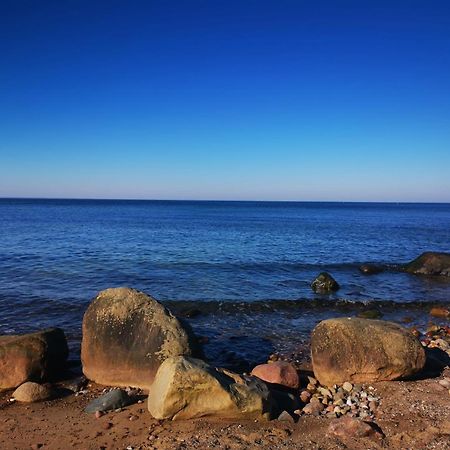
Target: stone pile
[(348, 399), (437, 337)]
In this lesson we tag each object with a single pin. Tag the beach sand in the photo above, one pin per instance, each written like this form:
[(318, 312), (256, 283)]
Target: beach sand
[(412, 415)]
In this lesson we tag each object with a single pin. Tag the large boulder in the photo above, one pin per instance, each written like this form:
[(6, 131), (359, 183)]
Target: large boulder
[(185, 388), (127, 335), (31, 357), (324, 283), (278, 372), (364, 350), (430, 263)]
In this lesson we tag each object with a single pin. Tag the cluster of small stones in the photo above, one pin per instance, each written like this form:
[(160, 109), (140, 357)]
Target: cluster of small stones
[(336, 401), (437, 337)]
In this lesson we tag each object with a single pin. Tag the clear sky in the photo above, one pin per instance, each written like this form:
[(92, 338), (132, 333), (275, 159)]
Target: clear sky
[(267, 100)]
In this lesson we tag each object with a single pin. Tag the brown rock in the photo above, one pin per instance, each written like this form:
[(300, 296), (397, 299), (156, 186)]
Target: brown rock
[(185, 388), (127, 335), (430, 263), (32, 392), (440, 312), (351, 428), (364, 350), (305, 396), (313, 408), (31, 357), (279, 372)]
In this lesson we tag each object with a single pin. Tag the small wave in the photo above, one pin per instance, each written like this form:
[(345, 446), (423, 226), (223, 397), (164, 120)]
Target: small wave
[(189, 307)]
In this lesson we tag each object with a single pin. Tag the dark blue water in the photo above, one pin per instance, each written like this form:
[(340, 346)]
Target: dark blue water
[(55, 255)]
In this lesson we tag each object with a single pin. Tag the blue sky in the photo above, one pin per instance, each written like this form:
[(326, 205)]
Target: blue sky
[(265, 100)]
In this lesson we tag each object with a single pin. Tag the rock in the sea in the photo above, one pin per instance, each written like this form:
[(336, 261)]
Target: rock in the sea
[(32, 392), (364, 350), (351, 428), (324, 283), (127, 335), (279, 372), (114, 399), (430, 263), (31, 357), (440, 312), (370, 269), (370, 314), (185, 388)]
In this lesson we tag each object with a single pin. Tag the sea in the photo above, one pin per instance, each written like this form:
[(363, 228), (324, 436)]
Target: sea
[(238, 272)]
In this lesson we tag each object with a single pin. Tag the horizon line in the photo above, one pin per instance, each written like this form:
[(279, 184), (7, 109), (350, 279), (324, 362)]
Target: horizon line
[(221, 200)]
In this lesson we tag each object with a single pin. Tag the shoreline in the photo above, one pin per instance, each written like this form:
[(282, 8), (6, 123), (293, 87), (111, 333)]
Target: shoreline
[(411, 415)]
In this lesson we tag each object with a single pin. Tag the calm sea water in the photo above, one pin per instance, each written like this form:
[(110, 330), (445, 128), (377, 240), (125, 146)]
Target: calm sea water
[(246, 266)]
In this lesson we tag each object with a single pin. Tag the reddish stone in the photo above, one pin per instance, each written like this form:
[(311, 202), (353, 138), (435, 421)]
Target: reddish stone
[(440, 312), (279, 372), (351, 428)]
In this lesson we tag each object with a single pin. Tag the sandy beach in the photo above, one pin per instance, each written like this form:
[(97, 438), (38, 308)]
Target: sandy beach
[(411, 415)]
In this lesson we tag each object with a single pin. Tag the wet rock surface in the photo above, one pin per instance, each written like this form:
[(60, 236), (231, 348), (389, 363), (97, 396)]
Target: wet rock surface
[(430, 263), (324, 283), (370, 269)]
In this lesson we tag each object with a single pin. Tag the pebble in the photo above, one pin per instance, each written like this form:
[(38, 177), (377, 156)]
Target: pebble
[(285, 417), (347, 386), (132, 418), (98, 414), (305, 396)]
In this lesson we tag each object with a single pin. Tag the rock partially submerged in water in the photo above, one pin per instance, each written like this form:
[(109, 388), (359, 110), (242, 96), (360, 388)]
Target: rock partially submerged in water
[(279, 372), (185, 388), (440, 311), (324, 283), (127, 335), (370, 314), (430, 263), (370, 269), (364, 350), (32, 357)]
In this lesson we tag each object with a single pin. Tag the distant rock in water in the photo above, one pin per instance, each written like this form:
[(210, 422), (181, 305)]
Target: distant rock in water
[(127, 335), (363, 351), (324, 283), (370, 314), (440, 312), (370, 269), (36, 356), (430, 263)]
